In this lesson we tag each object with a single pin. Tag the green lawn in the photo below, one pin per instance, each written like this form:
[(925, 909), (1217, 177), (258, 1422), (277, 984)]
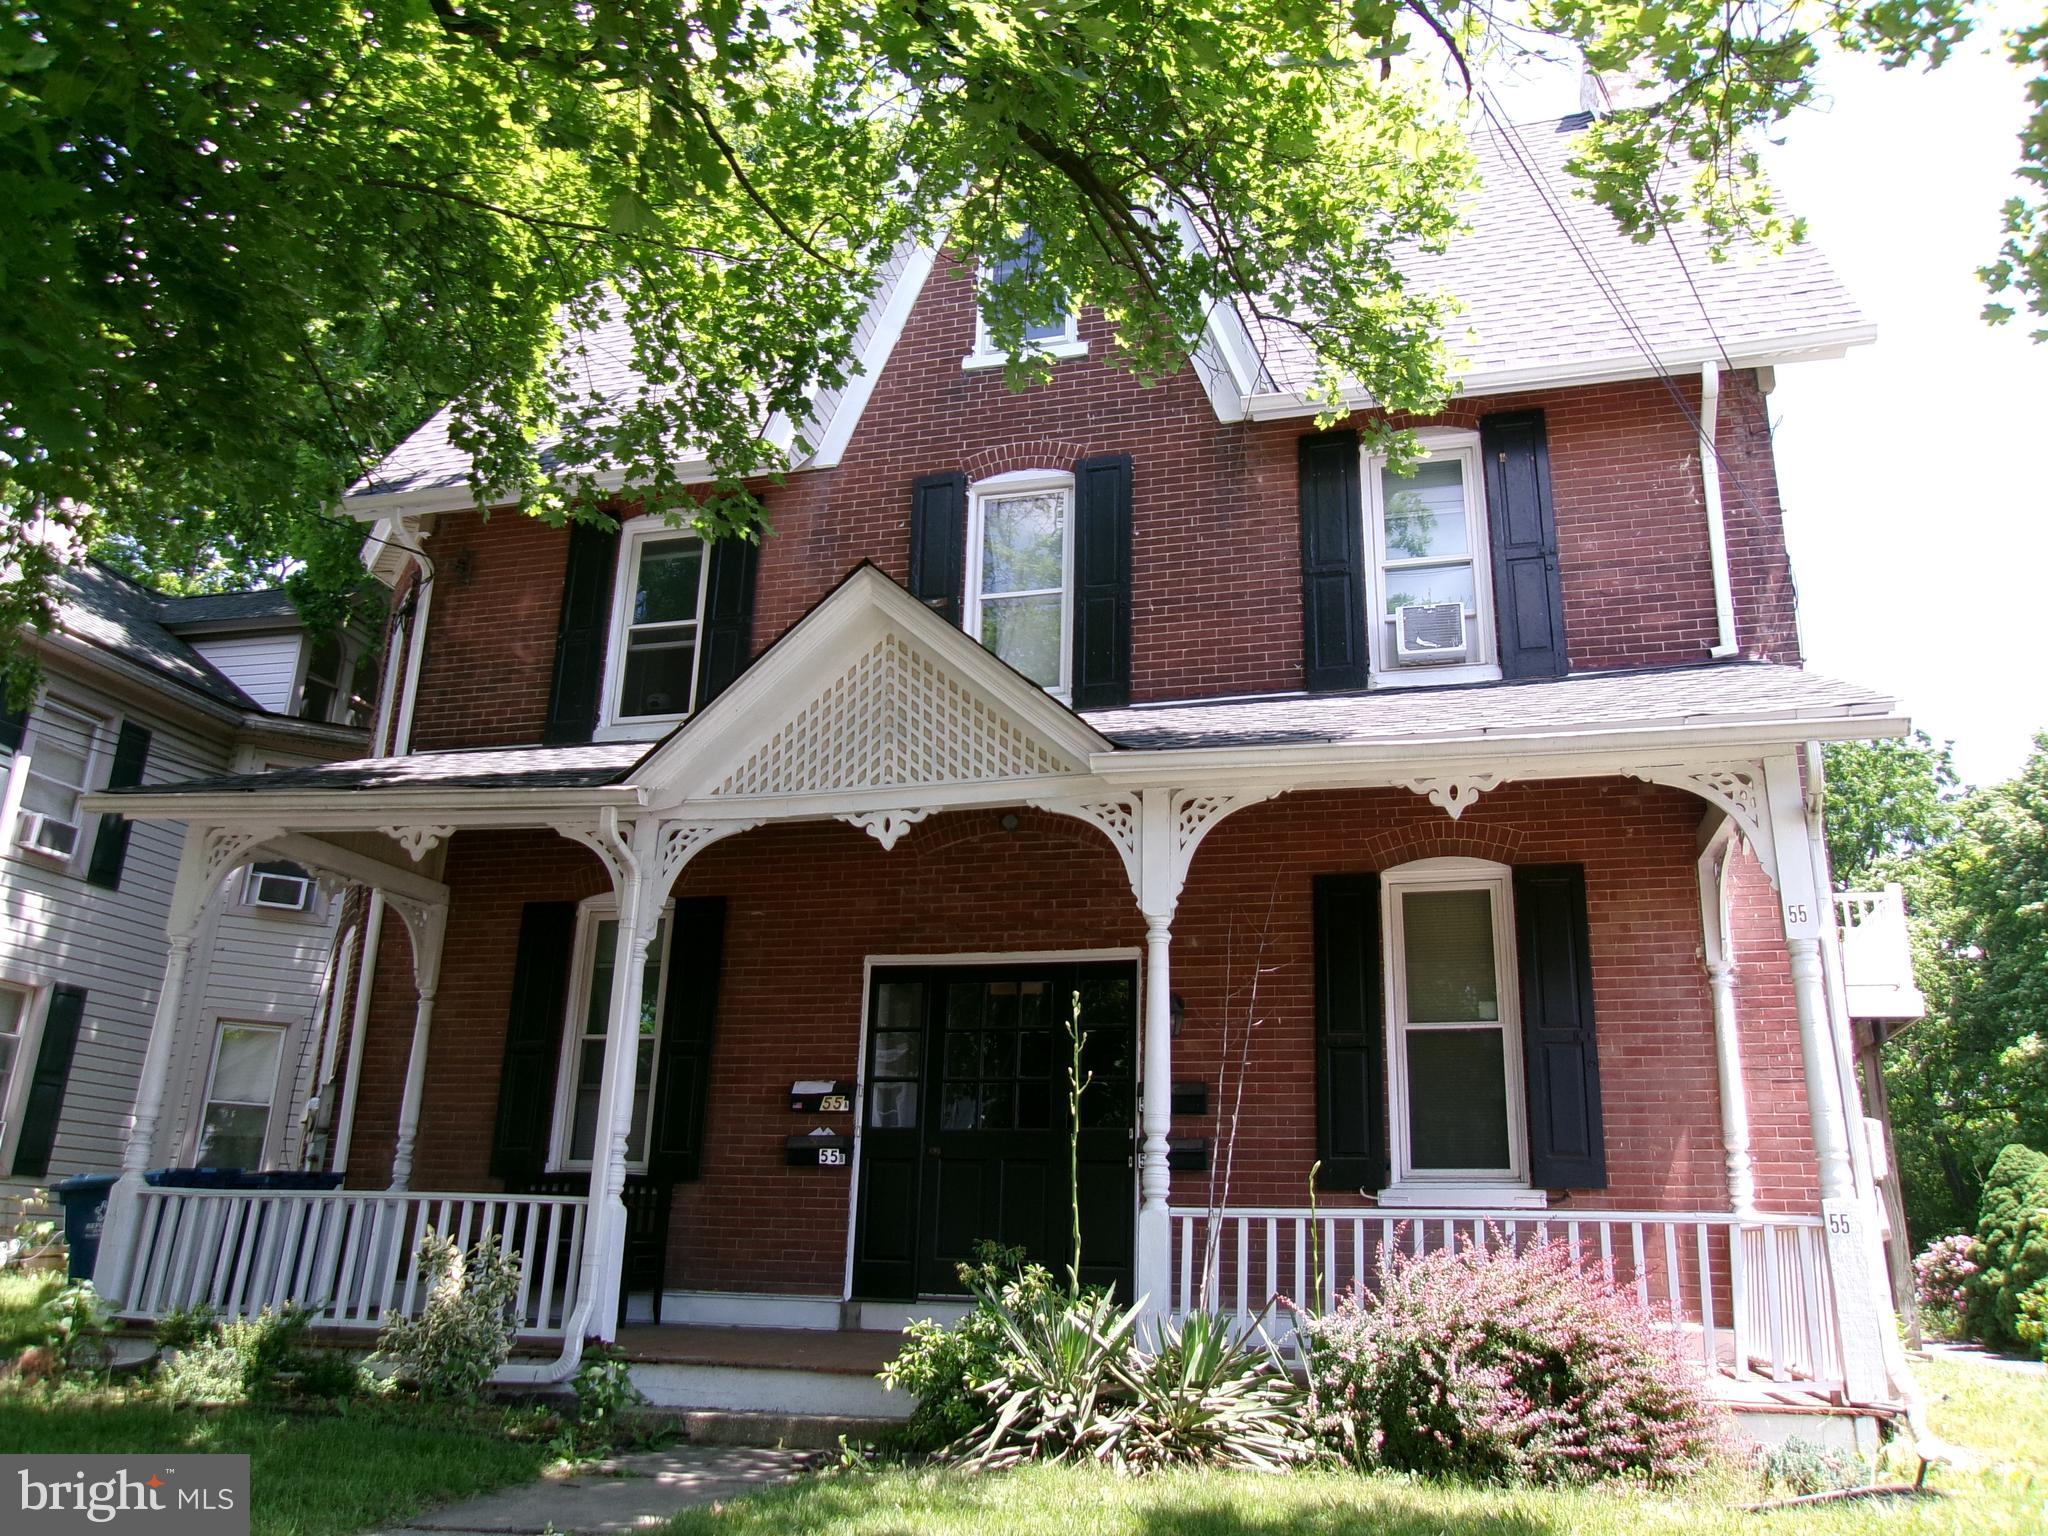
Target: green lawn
[(2000, 1418), (311, 1474)]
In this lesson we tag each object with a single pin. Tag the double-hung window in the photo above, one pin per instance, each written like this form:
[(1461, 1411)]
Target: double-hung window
[(14, 1016), (655, 639), (1020, 530), (1054, 335), (1427, 537), (234, 1131), (582, 1068), (1453, 1035), (62, 747)]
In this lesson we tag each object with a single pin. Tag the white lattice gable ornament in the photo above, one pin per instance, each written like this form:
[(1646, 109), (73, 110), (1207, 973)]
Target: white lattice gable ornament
[(871, 695)]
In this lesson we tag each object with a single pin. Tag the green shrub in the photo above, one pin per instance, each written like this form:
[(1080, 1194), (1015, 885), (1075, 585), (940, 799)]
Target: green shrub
[(604, 1391), (250, 1360), (2011, 1248), (185, 1327), (1507, 1367), (1206, 1396), (1797, 1467), (942, 1367), (465, 1328)]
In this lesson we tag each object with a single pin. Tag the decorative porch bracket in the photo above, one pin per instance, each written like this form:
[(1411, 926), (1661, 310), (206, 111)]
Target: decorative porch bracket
[(1156, 833), (1736, 788), (888, 827), (1453, 793)]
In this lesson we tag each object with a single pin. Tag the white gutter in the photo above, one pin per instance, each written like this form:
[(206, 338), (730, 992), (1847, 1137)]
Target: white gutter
[(1717, 526)]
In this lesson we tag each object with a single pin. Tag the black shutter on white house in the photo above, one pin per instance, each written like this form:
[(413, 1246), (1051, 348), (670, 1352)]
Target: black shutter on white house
[(13, 726), (1567, 1145), (44, 1104), (1528, 591), (1332, 563), (526, 1076), (1351, 1133), (728, 616), (582, 634), (682, 1071), (938, 542), (1102, 582), (110, 842)]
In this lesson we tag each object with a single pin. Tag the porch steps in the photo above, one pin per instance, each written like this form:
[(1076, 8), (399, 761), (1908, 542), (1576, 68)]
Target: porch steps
[(747, 1374)]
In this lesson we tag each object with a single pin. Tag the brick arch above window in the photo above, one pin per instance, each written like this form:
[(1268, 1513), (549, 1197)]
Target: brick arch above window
[(1027, 453), (1443, 838)]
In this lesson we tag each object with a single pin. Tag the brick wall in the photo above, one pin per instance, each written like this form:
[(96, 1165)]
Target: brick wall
[(809, 903), (1215, 538)]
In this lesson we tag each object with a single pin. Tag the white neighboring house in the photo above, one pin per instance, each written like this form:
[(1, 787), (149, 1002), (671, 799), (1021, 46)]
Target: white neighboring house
[(142, 688)]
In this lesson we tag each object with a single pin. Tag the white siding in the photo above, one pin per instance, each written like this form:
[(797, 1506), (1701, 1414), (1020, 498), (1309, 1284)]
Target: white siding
[(265, 667), (54, 927)]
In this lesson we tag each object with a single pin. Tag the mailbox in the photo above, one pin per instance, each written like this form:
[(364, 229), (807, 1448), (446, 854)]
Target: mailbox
[(1187, 1154), (821, 1096), (1191, 1098), (820, 1149)]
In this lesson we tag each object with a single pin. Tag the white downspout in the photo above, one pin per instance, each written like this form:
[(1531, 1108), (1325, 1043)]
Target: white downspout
[(358, 1026), (1717, 524)]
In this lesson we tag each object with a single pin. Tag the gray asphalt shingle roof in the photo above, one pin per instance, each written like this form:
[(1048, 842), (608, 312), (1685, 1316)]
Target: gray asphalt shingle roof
[(1724, 693), (106, 609), (1732, 692), (228, 608)]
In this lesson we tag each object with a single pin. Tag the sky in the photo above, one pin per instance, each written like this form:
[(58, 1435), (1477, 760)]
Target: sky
[(1914, 472)]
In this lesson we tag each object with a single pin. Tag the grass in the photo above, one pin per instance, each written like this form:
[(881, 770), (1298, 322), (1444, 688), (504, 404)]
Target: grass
[(312, 1472), (1999, 1419)]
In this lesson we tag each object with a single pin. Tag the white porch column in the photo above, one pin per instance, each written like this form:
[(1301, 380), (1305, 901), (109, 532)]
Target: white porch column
[(426, 924), (1159, 882), (1719, 957), (207, 856)]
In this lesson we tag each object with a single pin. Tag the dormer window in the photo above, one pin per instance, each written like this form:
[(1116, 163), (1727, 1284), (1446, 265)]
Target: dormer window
[(653, 670), (1020, 552), (1055, 336)]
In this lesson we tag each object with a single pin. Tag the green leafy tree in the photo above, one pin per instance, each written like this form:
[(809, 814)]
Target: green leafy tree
[(250, 244), (1886, 800)]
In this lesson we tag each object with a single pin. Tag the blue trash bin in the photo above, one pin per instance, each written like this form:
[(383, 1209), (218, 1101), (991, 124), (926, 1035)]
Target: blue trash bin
[(84, 1199)]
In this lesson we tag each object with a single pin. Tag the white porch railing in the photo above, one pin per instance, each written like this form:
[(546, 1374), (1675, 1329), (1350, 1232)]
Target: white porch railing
[(1877, 955), (1770, 1313), (348, 1254)]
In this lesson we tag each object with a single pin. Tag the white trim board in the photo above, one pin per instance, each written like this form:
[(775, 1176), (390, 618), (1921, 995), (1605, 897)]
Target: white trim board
[(739, 1309)]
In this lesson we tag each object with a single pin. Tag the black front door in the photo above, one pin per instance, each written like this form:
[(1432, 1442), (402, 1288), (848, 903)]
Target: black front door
[(966, 1126)]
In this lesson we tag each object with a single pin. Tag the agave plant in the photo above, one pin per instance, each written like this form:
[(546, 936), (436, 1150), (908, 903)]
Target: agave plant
[(1206, 1395), (1056, 1397)]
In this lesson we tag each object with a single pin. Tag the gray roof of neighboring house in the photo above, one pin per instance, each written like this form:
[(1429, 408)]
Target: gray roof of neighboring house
[(1718, 693), (1729, 692), (102, 607), (265, 603), (1531, 300)]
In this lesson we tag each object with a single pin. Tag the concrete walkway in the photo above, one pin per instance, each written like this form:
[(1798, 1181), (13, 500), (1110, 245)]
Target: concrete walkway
[(627, 1493), (1982, 1356)]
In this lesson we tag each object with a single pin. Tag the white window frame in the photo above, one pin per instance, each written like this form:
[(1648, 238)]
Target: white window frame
[(987, 355), (1024, 482), (34, 992), (272, 1121), (634, 537), (1483, 665), (1446, 1186), (592, 912), (96, 728)]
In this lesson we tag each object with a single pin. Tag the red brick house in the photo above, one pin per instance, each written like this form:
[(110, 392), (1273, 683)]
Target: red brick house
[(1455, 836)]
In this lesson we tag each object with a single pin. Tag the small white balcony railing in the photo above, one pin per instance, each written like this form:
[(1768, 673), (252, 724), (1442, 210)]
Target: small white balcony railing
[(350, 1255), (1877, 955), (1746, 1297)]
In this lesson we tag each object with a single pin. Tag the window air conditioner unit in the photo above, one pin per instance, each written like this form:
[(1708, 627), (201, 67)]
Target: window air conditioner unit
[(46, 834), (281, 890), (1429, 632)]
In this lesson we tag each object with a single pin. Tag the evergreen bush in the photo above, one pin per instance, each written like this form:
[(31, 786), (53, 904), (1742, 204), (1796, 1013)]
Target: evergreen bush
[(2011, 1248)]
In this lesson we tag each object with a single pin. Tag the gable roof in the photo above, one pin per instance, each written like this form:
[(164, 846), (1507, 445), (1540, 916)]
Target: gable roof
[(1537, 312), (267, 606), (108, 611)]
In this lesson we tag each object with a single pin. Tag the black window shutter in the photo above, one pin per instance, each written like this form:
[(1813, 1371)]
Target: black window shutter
[(728, 616), (1102, 582), (1567, 1146), (938, 542), (1528, 592), (110, 842), (1351, 1132), (526, 1077), (45, 1102), (13, 724), (581, 635), (1332, 562), (682, 1076)]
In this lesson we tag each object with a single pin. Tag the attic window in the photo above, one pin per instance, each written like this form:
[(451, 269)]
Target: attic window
[(1053, 336), (659, 622)]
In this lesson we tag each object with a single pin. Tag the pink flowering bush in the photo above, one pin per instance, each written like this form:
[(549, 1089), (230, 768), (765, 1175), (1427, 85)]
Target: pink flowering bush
[(1506, 1367), (1942, 1271)]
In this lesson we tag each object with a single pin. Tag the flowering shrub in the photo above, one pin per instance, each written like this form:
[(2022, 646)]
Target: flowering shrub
[(1508, 1367), (464, 1331), (1941, 1272)]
